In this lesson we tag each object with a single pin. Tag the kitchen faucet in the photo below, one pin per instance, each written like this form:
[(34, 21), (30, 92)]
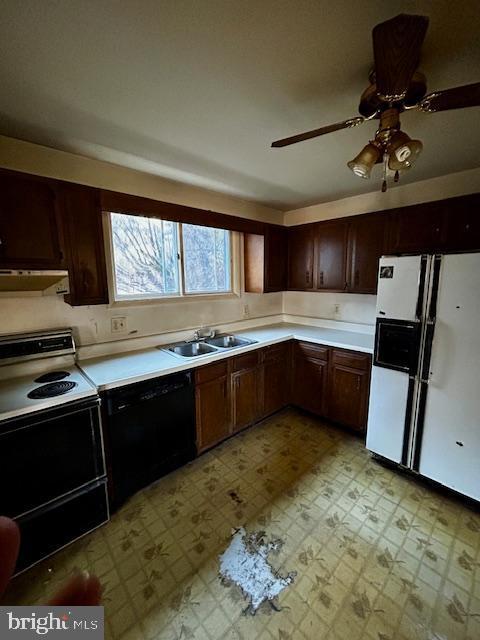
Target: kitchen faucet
[(202, 333)]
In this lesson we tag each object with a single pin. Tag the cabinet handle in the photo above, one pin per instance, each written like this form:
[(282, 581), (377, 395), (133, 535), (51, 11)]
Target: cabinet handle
[(358, 384), (321, 277)]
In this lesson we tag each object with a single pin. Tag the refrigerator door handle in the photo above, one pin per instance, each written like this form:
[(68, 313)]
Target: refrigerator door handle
[(417, 445), (408, 420), (432, 309), (421, 288)]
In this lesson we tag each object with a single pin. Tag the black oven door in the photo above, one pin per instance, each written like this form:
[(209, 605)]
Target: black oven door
[(397, 345), (46, 455)]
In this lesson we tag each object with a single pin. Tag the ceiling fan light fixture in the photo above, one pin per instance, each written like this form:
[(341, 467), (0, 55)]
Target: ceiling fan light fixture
[(402, 151), (362, 164)]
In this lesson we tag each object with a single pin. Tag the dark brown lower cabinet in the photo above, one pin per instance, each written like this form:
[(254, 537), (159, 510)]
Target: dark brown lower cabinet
[(309, 379), (246, 408), (212, 403), (348, 388), (244, 398), (276, 374), (237, 392), (332, 382)]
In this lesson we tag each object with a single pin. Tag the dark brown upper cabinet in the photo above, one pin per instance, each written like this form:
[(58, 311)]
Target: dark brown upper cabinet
[(417, 229), (300, 257), (330, 256), (30, 229), (463, 223), (366, 244), (265, 258), (82, 220)]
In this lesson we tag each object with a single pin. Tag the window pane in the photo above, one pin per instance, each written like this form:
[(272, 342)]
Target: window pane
[(145, 256), (206, 258)]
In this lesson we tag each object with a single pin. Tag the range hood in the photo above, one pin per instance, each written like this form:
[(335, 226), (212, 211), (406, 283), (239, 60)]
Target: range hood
[(46, 282)]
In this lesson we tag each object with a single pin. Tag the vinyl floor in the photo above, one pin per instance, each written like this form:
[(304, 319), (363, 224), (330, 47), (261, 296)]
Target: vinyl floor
[(377, 555)]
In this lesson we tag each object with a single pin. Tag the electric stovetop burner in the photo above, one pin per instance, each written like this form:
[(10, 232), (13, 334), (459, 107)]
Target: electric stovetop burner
[(51, 390), (52, 376)]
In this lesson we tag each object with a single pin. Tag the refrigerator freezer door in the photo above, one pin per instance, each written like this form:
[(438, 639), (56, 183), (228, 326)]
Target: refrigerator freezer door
[(386, 413), (450, 446), (398, 287)]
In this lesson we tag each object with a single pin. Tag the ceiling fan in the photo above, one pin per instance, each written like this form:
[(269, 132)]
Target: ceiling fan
[(395, 86)]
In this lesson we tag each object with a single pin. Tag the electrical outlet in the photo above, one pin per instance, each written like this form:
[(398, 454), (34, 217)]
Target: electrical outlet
[(336, 309), (119, 324), (246, 311)]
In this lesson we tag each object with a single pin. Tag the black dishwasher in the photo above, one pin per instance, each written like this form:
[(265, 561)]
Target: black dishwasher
[(150, 430)]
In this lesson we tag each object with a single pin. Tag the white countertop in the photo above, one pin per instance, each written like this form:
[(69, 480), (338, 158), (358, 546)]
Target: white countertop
[(111, 371)]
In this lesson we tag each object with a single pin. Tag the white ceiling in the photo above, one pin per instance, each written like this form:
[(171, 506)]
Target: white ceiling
[(196, 90)]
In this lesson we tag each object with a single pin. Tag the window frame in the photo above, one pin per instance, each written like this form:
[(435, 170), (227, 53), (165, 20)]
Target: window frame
[(149, 298)]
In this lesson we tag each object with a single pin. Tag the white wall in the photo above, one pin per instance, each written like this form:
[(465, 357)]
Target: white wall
[(454, 184), (92, 324), (352, 307)]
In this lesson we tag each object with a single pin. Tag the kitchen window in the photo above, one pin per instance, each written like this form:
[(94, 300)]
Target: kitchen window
[(154, 258)]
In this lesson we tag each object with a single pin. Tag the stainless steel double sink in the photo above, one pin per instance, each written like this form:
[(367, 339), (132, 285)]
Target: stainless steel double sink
[(206, 346)]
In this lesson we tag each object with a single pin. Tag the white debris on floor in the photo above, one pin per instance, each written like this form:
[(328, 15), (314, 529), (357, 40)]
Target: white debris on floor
[(245, 563)]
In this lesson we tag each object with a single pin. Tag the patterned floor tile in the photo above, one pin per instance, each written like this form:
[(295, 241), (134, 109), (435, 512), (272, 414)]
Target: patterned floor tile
[(378, 555)]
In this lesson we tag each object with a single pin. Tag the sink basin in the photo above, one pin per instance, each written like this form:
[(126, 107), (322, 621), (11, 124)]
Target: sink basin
[(229, 341), (191, 349)]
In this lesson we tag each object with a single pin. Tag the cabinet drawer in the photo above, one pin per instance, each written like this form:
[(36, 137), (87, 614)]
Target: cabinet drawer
[(246, 361), (351, 359), (312, 350), (211, 372), (275, 352)]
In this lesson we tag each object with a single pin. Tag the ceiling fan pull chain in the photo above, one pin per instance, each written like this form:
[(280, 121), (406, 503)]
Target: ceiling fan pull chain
[(385, 165)]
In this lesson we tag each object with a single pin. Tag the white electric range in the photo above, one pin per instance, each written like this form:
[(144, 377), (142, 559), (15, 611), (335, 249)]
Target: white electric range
[(38, 371), (52, 461)]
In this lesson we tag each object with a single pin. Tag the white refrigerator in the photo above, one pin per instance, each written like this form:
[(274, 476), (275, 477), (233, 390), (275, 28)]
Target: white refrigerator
[(424, 411)]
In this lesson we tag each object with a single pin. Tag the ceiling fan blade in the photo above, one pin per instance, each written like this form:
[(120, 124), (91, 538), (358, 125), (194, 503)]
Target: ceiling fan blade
[(457, 98), (396, 47), (300, 137)]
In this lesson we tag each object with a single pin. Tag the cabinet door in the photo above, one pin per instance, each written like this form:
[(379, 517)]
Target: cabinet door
[(276, 249), (348, 396), (276, 379), (366, 244), (309, 383), (463, 223), (330, 256), (417, 228), (30, 236), (245, 391), (212, 412), (300, 257), (85, 246)]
